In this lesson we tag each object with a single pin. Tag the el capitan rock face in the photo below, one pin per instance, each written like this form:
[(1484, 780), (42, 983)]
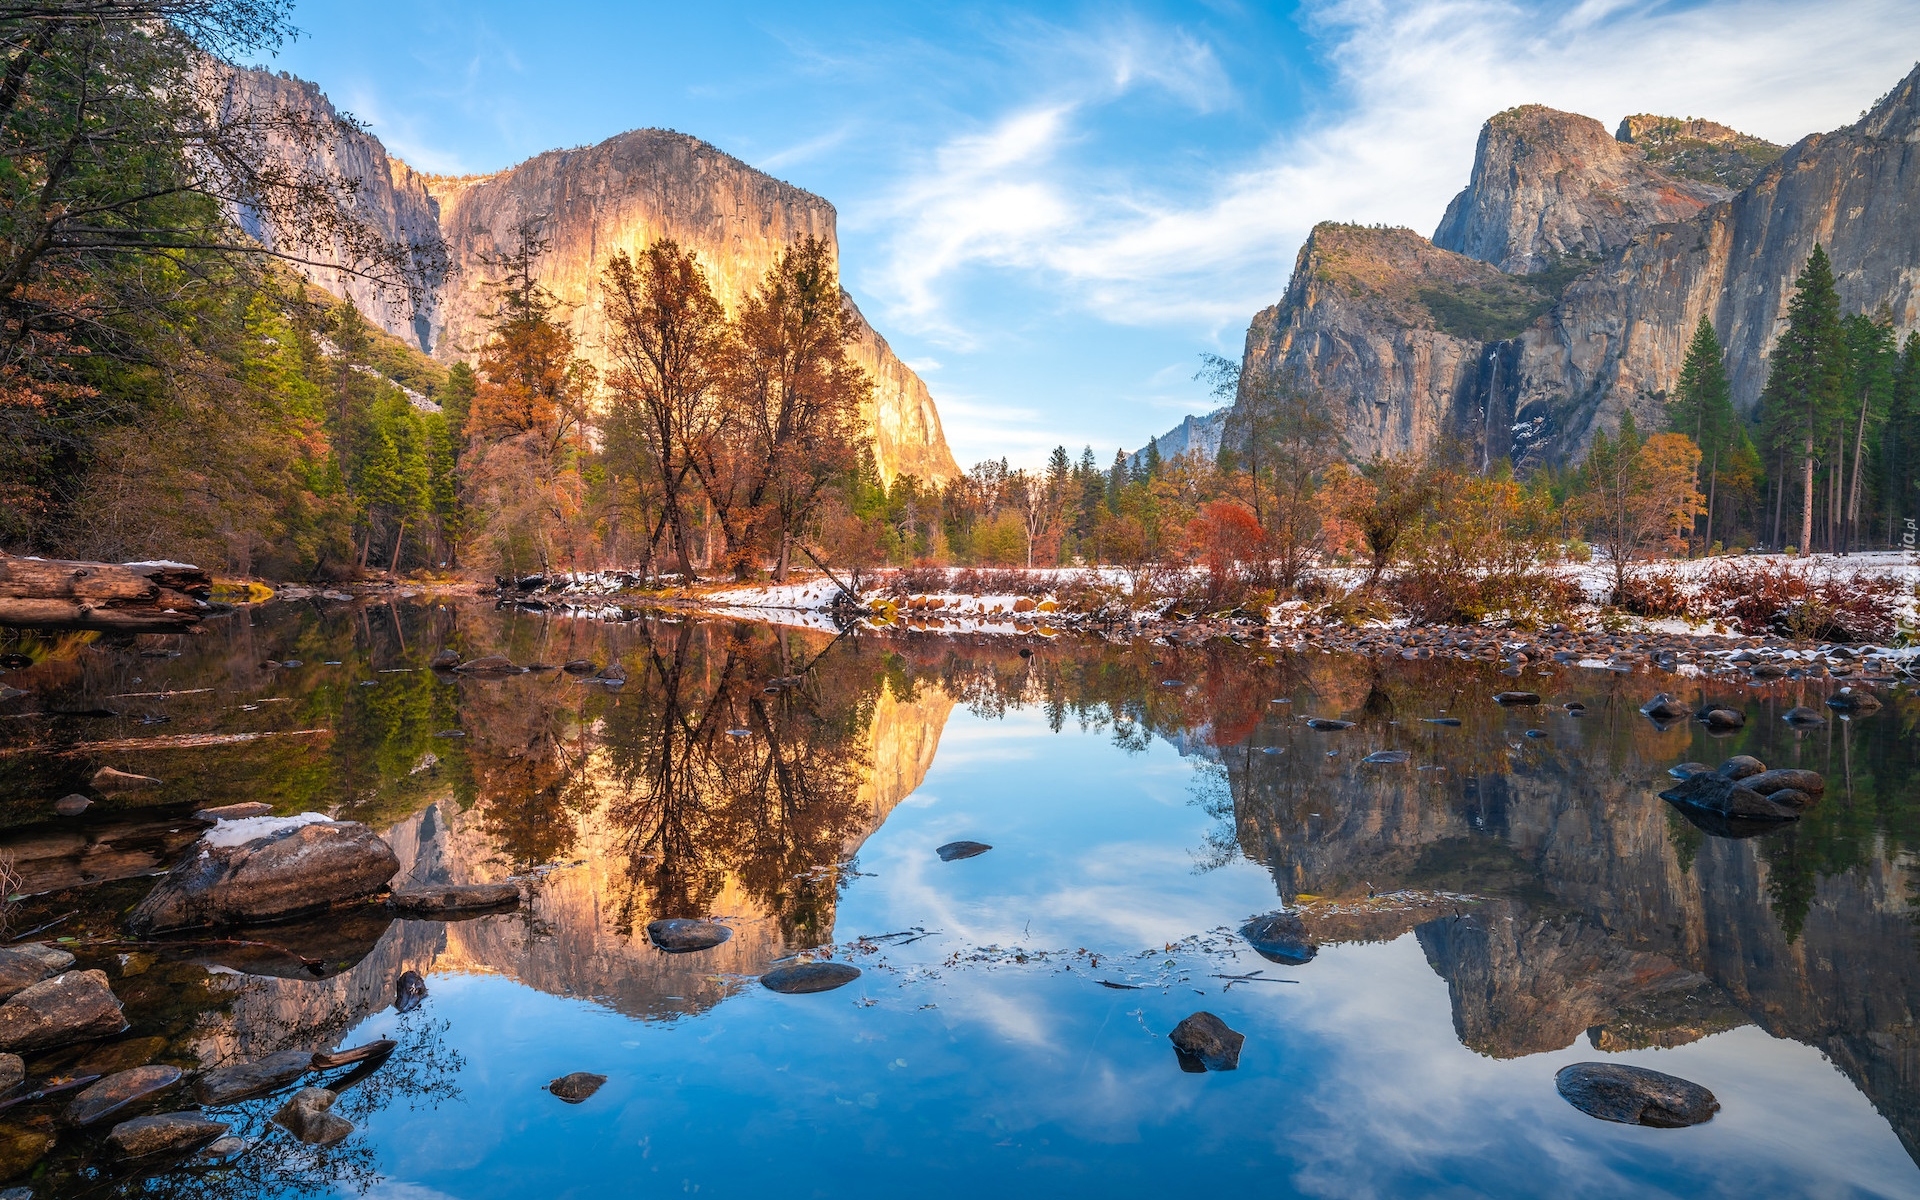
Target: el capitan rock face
[(621, 194), (1366, 319)]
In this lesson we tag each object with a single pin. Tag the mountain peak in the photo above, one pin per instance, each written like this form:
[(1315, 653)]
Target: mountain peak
[(1698, 149)]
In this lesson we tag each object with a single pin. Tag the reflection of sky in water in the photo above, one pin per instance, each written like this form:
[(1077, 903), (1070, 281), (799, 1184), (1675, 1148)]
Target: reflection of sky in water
[(1033, 1079)]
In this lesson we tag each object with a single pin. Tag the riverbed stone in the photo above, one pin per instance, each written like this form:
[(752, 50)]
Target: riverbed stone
[(1280, 937), (71, 806), (1687, 770), (1328, 724), (163, 1133), (1723, 718), (799, 979), (266, 869), (1664, 707), (409, 991), (1516, 699), (955, 851), (1803, 717), (1635, 1095), (1203, 1042), (1740, 766), (66, 1008), (488, 664), (235, 812), (1729, 798), (20, 970), (1853, 700), (305, 1115), (444, 899), (20, 1148), (1769, 782), (327, 1060), (13, 1072), (118, 1090), (237, 1081), (679, 935), (109, 780), (122, 1055), (576, 1087)]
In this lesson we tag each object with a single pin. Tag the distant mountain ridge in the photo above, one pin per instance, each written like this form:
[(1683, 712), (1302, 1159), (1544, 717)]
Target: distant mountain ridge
[(1565, 280), (1193, 434), (620, 194)]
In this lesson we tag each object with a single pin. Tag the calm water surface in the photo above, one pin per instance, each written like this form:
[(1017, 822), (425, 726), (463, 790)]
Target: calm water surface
[(1490, 911)]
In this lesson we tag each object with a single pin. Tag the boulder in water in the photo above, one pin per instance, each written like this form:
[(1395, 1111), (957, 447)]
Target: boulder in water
[(267, 869), (1328, 724), (235, 812), (71, 806), (449, 899), (306, 1115), (444, 660), (1387, 757), (237, 1081), (488, 664), (1516, 699), (1280, 937), (1664, 707), (1740, 766), (1769, 782), (683, 936), (106, 779), (1203, 1042), (803, 978), (327, 1060), (409, 991), (65, 1008), (118, 1090), (1727, 798), (166, 1133), (1635, 1095), (1687, 770), (1853, 700), (576, 1087), (1803, 717), (954, 851)]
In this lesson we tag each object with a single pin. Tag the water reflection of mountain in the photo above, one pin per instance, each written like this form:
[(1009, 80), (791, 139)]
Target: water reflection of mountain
[(1610, 915)]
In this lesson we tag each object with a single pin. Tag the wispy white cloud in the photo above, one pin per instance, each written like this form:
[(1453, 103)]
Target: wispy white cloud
[(1392, 141)]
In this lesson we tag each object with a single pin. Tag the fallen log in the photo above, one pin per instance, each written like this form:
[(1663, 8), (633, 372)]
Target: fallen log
[(152, 597)]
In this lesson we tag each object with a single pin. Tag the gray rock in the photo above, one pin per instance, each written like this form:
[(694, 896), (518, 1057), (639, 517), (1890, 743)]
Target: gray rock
[(116, 1091), (1280, 937), (1804, 717), (65, 1008), (580, 666), (1635, 1095), (1516, 699), (613, 675), (955, 851), (576, 1087), (1203, 1042), (327, 1060), (1729, 798), (235, 812), (409, 991), (237, 1081), (681, 936), (1387, 757), (444, 660), (13, 1072), (20, 970), (1740, 766), (166, 1133), (1450, 721), (306, 1116), (1328, 724), (286, 870), (71, 806), (802, 978), (1687, 770), (1794, 798), (106, 779), (1769, 782), (56, 959), (1664, 707), (1724, 718), (1853, 700), (448, 898)]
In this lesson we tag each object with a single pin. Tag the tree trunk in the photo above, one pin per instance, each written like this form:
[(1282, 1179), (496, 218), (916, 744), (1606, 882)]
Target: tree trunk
[(38, 593), (1713, 482), (1806, 490), (1853, 491), (399, 539)]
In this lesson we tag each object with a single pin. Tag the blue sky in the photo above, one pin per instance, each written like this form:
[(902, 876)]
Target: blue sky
[(1051, 209)]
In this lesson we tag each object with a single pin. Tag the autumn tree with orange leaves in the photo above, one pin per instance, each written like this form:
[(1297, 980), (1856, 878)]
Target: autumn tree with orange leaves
[(1638, 495)]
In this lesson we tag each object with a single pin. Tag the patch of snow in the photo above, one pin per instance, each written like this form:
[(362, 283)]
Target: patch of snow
[(225, 834)]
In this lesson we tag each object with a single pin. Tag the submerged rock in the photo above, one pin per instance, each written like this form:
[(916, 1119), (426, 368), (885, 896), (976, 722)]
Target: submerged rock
[(327, 1060), (1635, 1095), (1687, 770), (489, 664), (306, 1116), (1664, 707), (166, 1133), (1203, 1042), (576, 1087), (682, 936), (1280, 937), (1328, 724), (1453, 721), (1769, 782), (267, 869), (1853, 700), (20, 970), (803, 978), (106, 779), (1804, 717), (65, 1008), (237, 1081), (118, 1090), (1729, 798), (13, 1072), (1387, 757), (235, 812), (449, 898), (71, 806), (1516, 699), (954, 851), (444, 660), (409, 991)]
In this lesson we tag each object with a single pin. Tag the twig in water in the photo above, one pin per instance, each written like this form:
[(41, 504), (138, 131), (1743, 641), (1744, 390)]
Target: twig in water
[(53, 1089), (1255, 977), (314, 965), (1119, 987), (42, 928)]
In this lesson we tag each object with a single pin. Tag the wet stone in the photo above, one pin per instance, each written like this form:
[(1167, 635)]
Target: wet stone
[(1803, 717), (237, 1081), (13, 1072), (441, 899), (800, 979), (1728, 798), (118, 1090), (1280, 937), (1723, 718), (409, 991), (1769, 782), (1449, 721), (1664, 707), (1536, 733), (1387, 757), (20, 1149), (1635, 1095), (165, 1133), (1687, 770), (71, 806), (120, 1056), (19, 971), (684, 936), (1203, 1042), (1740, 766), (327, 1060), (488, 664), (65, 1008), (106, 779), (1328, 724), (443, 660), (955, 851), (1851, 699), (576, 1087), (235, 812), (306, 1116), (580, 666), (1515, 699)]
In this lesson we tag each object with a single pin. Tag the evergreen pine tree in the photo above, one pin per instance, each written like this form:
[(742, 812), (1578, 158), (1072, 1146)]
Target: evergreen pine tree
[(1703, 409), (1806, 380), (1117, 480), (1150, 460)]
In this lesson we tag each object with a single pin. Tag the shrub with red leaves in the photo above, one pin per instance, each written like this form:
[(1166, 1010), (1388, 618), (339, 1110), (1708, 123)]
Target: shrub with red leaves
[(1796, 602)]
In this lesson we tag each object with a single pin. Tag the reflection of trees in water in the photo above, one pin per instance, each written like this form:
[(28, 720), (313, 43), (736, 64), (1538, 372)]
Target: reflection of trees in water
[(421, 1073), (774, 807)]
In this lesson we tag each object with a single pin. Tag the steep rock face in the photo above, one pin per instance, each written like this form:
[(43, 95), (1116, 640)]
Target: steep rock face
[(621, 194), (391, 196), (1549, 185), (1193, 435), (1355, 325), (1702, 150)]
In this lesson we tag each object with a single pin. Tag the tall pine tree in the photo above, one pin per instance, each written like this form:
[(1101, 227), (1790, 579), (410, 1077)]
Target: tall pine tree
[(1703, 409), (1806, 381)]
